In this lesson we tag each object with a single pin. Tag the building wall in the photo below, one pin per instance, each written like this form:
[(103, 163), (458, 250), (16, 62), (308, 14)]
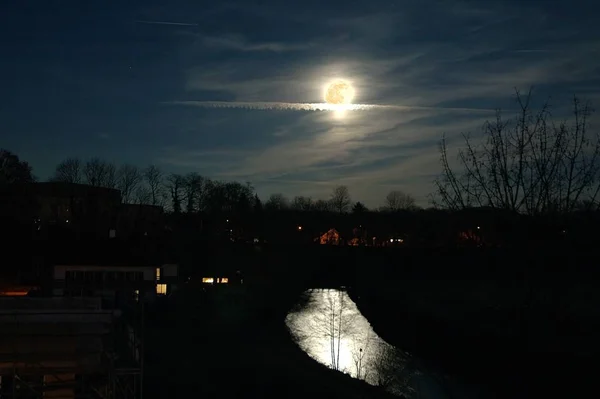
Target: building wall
[(148, 272), (48, 341), (115, 282), (82, 208)]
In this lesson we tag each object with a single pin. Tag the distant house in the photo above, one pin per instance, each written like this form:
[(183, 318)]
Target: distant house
[(470, 237), (331, 237)]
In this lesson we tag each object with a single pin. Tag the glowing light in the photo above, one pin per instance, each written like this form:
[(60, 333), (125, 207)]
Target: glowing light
[(339, 92), (208, 280), (161, 289), (299, 227)]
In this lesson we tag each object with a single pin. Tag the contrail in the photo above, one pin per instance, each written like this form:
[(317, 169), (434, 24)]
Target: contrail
[(258, 105), (166, 23)]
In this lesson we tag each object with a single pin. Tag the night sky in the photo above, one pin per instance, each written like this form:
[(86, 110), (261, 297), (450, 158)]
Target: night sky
[(118, 80)]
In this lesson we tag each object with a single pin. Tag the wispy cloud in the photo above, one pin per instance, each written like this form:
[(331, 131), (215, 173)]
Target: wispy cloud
[(236, 42), (414, 80), (166, 23)]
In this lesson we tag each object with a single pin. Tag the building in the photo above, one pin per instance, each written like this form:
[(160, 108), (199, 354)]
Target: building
[(116, 285), (58, 209), (83, 210), (331, 237), (67, 348), (140, 220)]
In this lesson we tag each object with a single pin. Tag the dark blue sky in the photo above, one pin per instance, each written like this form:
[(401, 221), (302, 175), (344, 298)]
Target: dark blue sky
[(96, 78)]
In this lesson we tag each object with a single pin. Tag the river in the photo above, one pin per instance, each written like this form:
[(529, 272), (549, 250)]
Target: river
[(328, 326)]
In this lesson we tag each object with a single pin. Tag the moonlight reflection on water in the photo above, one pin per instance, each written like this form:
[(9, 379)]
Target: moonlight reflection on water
[(328, 327)]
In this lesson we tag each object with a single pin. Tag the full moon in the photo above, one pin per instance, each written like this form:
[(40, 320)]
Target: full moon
[(339, 92)]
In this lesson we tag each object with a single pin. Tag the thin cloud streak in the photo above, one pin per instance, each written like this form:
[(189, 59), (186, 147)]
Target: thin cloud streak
[(166, 23), (265, 106)]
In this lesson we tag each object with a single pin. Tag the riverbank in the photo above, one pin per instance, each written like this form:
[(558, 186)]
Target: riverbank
[(464, 329), (233, 343)]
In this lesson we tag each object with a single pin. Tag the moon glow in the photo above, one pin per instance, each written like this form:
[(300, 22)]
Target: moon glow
[(339, 92)]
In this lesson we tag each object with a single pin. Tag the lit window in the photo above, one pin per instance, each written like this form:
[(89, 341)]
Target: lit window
[(208, 280), (158, 274), (161, 289), (136, 295), (224, 280)]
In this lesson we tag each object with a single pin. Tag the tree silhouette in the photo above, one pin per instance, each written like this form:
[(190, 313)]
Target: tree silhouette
[(68, 171), (175, 183), (129, 179), (529, 165), (99, 173), (340, 199), (398, 200), (13, 170), (359, 207), (154, 180), (276, 202)]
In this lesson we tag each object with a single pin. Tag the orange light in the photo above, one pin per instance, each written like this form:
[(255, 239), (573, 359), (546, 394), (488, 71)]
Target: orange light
[(208, 280), (14, 293)]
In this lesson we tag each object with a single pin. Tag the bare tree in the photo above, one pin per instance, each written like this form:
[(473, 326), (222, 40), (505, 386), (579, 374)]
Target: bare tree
[(340, 199), (154, 181), (361, 349), (95, 172), (398, 200), (175, 183), (238, 197), (322, 205), (193, 187), (276, 202), (529, 165), (332, 319), (301, 203), (129, 178), (142, 194), (391, 368), (68, 171), (111, 179)]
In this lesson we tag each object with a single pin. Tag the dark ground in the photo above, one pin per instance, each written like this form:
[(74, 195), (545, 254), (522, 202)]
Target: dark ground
[(517, 325), (226, 344), (512, 325)]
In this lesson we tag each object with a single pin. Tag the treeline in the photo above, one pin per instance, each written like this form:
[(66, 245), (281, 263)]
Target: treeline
[(192, 193)]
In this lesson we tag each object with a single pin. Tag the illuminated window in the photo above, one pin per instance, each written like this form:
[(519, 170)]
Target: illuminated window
[(161, 289), (224, 280), (208, 280), (136, 295), (158, 274)]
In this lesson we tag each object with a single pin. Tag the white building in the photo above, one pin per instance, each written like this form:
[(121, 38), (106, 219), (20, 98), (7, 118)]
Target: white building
[(115, 284)]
